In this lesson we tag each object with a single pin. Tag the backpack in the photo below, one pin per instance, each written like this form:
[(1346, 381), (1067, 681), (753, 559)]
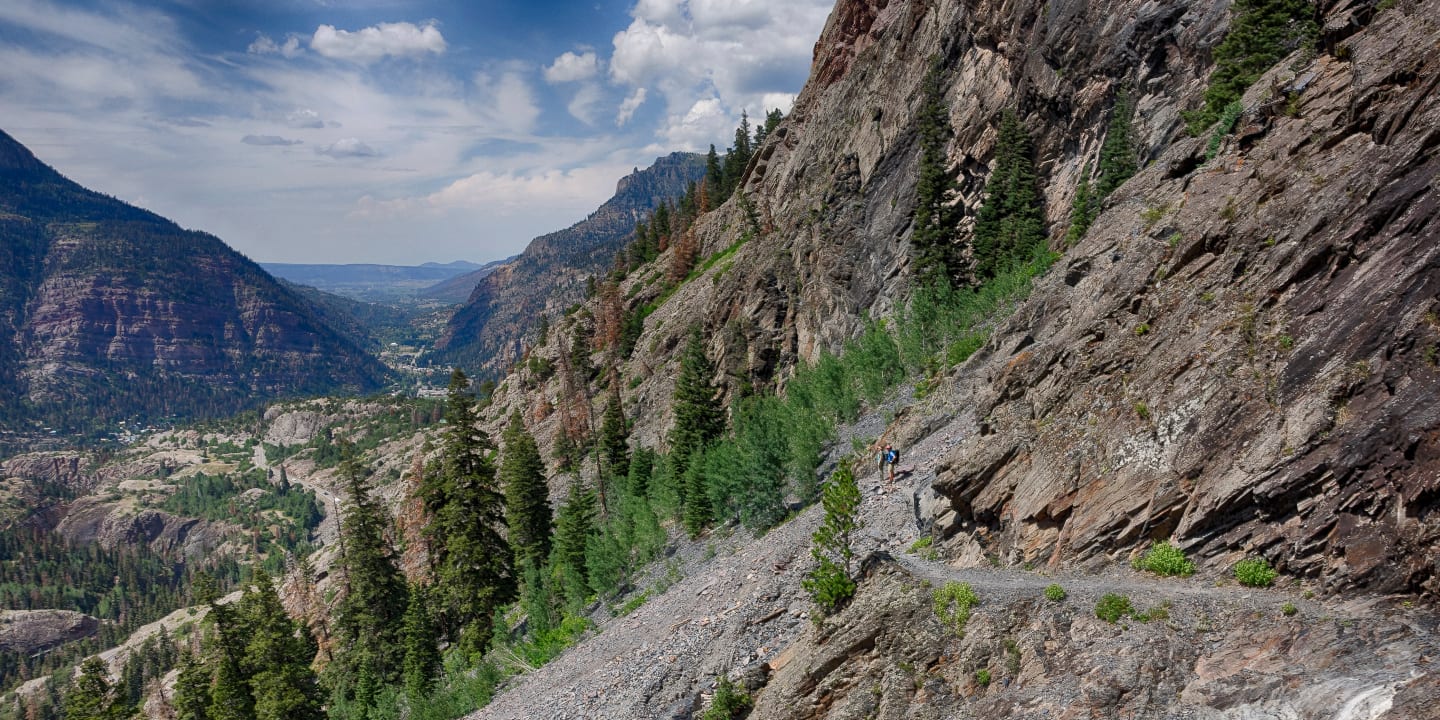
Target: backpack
[(893, 456)]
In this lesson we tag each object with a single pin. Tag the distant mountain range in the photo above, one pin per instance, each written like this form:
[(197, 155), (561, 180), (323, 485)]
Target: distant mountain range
[(379, 283), (485, 334), (109, 311)]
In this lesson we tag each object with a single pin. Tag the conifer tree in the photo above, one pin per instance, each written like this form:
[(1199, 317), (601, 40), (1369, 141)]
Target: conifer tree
[(642, 465), (615, 435), (573, 528), (230, 695), (277, 657), (422, 654), (699, 417), (1262, 32), (831, 583), (938, 254), (368, 618), (1083, 209), (1117, 153), (90, 696), (714, 175), (192, 690), (1010, 225), (527, 503), (474, 569), (698, 513)]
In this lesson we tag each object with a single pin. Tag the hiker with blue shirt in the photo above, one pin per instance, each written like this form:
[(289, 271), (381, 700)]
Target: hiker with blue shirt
[(889, 456)]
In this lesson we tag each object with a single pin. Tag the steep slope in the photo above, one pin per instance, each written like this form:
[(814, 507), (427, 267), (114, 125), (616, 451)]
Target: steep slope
[(550, 275), (1238, 356), (109, 311), (457, 290)]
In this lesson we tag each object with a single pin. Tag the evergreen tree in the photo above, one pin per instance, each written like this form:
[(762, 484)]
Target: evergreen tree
[(642, 465), (615, 435), (573, 528), (737, 159), (90, 696), (1010, 225), (422, 654), (699, 417), (698, 514), (527, 503), (230, 695), (192, 690), (714, 175), (1117, 153), (368, 619), (831, 583), (474, 569), (1083, 209), (938, 254), (1262, 32), (277, 657)]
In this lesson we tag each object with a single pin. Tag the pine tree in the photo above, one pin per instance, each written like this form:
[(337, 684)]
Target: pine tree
[(192, 690), (422, 654), (277, 658), (699, 417), (90, 697), (1083, 209), (1261, 34), (368, 618), (573, 528), (614, 435), (1117, 153), (698, 514), (714, 175), (938, 254), (1010, 225), (642, 465), (831, 583), (474, 569), (527, 503), (230, 695)]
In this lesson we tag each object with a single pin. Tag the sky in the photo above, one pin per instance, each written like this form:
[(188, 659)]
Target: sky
[(386, 131)]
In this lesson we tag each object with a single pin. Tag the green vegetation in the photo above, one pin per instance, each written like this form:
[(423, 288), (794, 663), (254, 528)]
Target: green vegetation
[(1084, 208), (952, 604), (1262, 32), (832, 582), (1255, 572), (1288, 609), (1112, 607), (982, 677), (729, 703), (1010, 225), (1165, 560), (939, 258), (1117, 153), (1055, 593), (1227, 119)]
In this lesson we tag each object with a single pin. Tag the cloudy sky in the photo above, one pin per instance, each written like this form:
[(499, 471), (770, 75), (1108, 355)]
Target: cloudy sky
[(386, 130)]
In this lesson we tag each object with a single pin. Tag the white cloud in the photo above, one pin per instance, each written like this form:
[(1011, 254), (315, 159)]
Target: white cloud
[(570, 67), (705, 121), (265, 140), (509, 100), (745, 54), (373, 43), (576, 191), (263, 45), (585, 106), (347, 148), (630, 105), (304, 118)]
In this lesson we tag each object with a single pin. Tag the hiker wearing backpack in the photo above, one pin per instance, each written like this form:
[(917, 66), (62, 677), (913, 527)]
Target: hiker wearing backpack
[(889, 456)]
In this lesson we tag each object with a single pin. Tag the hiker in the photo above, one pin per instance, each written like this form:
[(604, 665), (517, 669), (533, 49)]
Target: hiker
[(889, 456)]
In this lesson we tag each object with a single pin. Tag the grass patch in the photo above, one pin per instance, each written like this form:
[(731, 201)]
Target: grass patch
[(1112, 607), (953, 603), (1055, 593), (1165, 560), (1255, 572)]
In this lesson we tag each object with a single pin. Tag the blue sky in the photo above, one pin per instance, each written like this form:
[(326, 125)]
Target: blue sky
[(382, 130)]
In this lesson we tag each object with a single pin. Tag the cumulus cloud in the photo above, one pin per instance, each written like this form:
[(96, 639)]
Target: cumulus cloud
[(347, 148), (576, 190), (263, 45), (509, 99), (304, 118), (585, 106), (267, 140), (746, 54), (373, 43), (699, 126), (630, 105), (570, 67)]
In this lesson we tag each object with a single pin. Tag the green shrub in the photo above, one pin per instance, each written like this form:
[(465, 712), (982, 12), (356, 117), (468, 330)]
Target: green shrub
[(953, 603), (982, 677), (1165, 560), (1112, 607), (1288, 609), (1054, 593), (730, 702), (1255, 572)]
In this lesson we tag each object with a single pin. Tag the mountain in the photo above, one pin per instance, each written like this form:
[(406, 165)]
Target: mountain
[(458, 289), (1238, 358), (108, 311), (550, 275), (374, 283)]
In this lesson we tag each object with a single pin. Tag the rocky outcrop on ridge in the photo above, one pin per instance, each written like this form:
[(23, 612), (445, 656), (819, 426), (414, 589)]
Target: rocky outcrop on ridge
[(32, 631)]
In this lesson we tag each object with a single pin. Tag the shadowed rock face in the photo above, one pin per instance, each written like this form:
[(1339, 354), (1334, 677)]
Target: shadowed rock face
[(109, 311), (32, 631)]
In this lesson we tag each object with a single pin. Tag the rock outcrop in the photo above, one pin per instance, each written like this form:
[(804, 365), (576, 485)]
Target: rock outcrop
[(34, 631)]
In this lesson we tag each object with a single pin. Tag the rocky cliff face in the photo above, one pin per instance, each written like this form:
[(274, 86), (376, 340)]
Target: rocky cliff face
[(108, 311), (487, 332), (1239, 356)]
